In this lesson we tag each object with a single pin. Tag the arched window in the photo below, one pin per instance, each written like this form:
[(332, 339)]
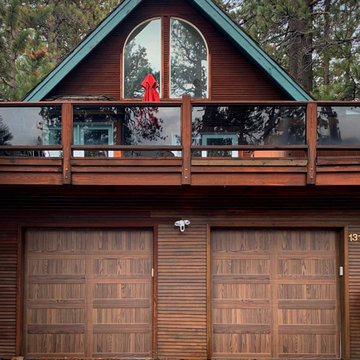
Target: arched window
[(187, 63), (142, 56)]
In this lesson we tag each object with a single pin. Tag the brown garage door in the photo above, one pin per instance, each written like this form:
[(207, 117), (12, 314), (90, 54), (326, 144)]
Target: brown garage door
[(88, 293), (274, 294)]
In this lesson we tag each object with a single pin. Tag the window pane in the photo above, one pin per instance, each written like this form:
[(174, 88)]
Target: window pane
[(189, 62), (249, 125), (120, 125), (142, 56), (339, 125), (30, 126)]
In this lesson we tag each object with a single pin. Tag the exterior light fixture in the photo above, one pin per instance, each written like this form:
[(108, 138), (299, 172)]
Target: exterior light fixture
[(181, 224)]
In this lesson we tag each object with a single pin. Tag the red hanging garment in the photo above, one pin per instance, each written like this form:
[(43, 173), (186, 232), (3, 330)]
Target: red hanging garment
[(150, 85)]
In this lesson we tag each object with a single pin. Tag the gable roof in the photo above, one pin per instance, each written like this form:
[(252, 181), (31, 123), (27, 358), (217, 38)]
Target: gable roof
[(246, 45)]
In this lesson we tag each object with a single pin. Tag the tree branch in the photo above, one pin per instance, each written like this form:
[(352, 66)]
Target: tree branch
[(6, 82)]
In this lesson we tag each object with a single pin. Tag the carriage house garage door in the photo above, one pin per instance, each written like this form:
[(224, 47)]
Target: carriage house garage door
[(88, 293), (274, 294)]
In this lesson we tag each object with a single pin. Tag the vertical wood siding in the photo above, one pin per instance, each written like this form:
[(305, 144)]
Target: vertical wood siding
[(233, 77), (181, 257)]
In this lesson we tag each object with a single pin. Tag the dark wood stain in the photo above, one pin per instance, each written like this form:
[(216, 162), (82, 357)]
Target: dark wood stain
[(274, 293), (182, 258), (233, 77), (95, 286)]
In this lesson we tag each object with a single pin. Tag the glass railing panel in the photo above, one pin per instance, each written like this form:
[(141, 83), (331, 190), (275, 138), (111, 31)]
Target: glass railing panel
[(338, 125), (247, 125), (130, 126), (30, 127)]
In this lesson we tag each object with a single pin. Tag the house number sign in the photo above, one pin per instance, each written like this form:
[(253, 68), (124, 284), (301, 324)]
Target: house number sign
[(354, 237)]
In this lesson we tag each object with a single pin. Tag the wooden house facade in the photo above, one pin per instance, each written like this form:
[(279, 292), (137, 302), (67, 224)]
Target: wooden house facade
[(96, 259)]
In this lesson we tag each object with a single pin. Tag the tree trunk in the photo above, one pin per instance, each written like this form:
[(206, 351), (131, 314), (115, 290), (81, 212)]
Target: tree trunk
[(300, 49), (327, 42)]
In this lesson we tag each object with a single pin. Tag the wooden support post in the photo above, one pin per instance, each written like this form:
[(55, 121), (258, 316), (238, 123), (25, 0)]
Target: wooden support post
[(66, 139), (186, 137), (311, 139)]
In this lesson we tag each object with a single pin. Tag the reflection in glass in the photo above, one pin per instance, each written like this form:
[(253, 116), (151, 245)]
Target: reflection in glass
[(189, 61), (30, 126), (248, 125), (339, 125), (142, 56), (118, 125)]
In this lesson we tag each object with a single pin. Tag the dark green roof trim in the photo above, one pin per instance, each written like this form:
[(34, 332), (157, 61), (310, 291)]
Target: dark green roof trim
[(80, 52), (212, 11), (253, 50)]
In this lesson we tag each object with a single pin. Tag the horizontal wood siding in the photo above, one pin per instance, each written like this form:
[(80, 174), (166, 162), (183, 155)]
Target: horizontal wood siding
[(181, 257), (182, 293), (354, 285), (233, 77), (8, 285)]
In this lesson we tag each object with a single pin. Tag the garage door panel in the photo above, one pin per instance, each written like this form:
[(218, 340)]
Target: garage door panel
[(273, 290), (123, 344), (88, 293), (127, 240), (235, 242), (307, 317), (122, 316), (56, 291), (314, 268), (287, 241), (240, 291), (56, 266), (56, 316), (308, 291), (324, 242), (241, 316), (45, 242), (311, 345), (122, 290), (70, 344), (246, 344), (241, 266), (122, 266)]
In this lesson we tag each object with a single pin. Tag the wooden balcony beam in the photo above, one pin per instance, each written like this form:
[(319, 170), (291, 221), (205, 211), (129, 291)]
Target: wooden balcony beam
[(186, 136), (67, 140), (311, 139)]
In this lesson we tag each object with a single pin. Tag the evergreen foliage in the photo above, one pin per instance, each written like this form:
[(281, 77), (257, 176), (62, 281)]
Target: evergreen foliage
[(316, 41), (35, 35)]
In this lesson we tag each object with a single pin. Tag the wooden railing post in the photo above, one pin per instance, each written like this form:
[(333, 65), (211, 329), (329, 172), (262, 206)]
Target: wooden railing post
[(186, 137), (311, 139), (66, 139)]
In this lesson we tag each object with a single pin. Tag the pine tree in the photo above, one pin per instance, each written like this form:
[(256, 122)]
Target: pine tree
[(37, 34), (14, 37), (317, 41)]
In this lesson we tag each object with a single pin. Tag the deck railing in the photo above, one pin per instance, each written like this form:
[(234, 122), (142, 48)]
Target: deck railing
[(185, 142)]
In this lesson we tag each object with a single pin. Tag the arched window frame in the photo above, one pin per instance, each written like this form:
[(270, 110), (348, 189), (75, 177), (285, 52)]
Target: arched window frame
[(207, 54), (123, 55), (165, 64)]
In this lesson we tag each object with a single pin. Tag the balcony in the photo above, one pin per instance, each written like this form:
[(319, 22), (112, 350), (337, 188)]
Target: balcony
[(187, 142)]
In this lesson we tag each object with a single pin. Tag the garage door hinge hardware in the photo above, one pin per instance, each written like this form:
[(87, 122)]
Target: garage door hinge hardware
[(341, 271)]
